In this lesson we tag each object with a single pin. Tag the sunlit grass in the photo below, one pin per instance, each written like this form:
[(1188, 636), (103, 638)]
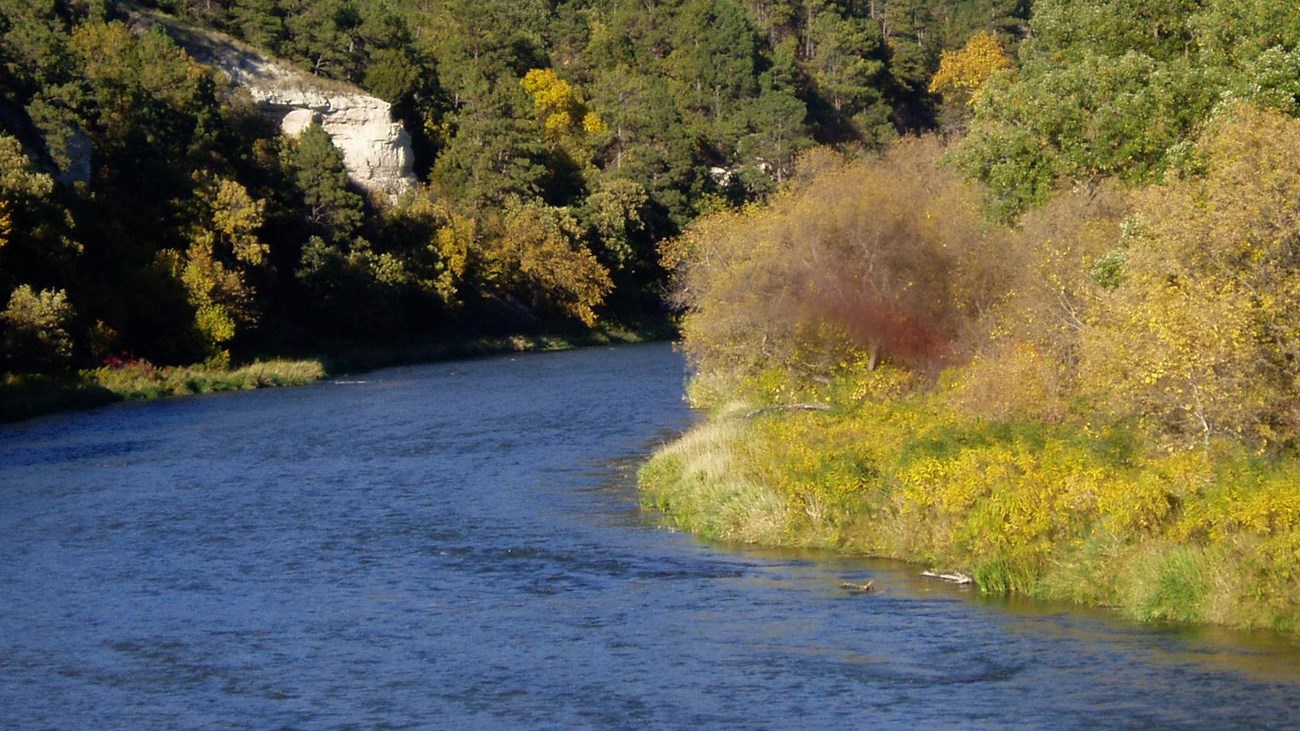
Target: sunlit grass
[(142, 380), (1055, 511), (703, 483)]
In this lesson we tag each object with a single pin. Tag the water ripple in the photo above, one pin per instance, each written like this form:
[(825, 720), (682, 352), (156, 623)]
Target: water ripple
[(459, 546)]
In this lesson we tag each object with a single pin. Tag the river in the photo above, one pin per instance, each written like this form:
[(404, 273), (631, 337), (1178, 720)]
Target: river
[(459, 545)]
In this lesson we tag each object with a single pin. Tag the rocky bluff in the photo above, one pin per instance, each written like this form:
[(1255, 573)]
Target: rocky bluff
[(376, 148)]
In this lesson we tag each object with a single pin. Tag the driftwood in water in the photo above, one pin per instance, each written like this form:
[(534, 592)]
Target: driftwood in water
[(954, 578), (857, 588)]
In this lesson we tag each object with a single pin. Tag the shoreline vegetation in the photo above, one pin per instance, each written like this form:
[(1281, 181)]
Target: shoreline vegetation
[(28, 396), (1097, 403), (1023, 508)]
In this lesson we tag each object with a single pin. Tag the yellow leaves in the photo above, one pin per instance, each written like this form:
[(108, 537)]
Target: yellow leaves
[(215, 322), (550, 92), (1242, 499), (559, 108), (236, 220), (964, 72), (592, 124), (18, 176), (451, 244), (223, 243), (1188, 340), (540, 248), (6, 223), (439, 241), (217, 292)]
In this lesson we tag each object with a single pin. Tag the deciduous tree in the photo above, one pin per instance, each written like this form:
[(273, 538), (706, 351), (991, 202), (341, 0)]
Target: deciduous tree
[(1200, 337), (35, 335)]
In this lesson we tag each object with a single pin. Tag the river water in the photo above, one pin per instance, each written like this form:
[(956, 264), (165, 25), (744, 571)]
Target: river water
[(459, 546)]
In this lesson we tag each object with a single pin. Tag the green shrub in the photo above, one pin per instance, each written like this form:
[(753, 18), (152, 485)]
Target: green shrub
[(34, 324)]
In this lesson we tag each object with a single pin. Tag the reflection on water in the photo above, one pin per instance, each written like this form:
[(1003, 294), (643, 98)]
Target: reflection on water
[(1261, 656), (458, 545)]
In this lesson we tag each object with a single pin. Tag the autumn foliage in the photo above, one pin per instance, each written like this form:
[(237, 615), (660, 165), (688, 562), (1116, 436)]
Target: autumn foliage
[(963, 73), (1097, 404), (1200, 337), (1175, 305), (889, 259)]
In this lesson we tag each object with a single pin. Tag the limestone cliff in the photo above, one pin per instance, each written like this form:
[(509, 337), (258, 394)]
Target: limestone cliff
[(376, 148)]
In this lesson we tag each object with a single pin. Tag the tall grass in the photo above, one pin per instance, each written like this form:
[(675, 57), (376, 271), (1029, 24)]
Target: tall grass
[(703, 483), (142, 380)]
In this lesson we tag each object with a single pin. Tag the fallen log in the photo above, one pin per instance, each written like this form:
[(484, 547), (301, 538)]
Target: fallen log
[(954, 578), (811, 406), (857, 588)]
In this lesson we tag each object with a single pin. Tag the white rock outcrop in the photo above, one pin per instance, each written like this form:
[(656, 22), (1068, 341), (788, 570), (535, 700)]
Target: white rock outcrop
[(376, 148)]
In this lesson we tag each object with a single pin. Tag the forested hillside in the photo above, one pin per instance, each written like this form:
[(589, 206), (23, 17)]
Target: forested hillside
[(1061, 353), (147, 209)]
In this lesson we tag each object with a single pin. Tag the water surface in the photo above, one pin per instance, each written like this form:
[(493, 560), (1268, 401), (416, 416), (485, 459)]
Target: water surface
[(459, 546)]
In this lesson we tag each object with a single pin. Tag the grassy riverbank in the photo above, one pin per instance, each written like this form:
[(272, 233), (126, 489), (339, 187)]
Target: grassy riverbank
[(23, 397), (1092, 516)]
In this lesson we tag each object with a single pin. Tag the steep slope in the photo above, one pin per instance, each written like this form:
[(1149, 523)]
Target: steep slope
[(376, 148)]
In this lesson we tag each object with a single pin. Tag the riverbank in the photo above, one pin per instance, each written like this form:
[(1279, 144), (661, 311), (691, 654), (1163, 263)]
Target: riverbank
[(1091, 516), (25, 397)]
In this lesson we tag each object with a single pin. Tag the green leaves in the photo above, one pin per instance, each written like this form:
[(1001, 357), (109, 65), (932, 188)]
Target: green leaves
[(1119, 88), (1099, 116), (321, 179), (34, 327)]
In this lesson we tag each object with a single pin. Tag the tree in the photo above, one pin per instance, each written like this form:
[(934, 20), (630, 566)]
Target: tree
[(214, 268), (353, 290), (615, 214), (1232, 33), (1110, 88), (1054, 124), (843, 56), (884, 260), (260, 22), (558, 106), (539, 258), (903, 25), (327, 34), (645, 139), (1200, 337), (322, 180), (35, 331), (495, 152), (776, 133), (713, 65), (151, 107), (1159, 29), (35, 243), (963, 73), (434, 244)]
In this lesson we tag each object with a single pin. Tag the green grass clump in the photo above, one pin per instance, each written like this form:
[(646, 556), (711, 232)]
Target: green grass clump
[(142, 380)]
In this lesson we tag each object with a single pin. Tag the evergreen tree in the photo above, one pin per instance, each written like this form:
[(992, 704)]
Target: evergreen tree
[(321, 179)]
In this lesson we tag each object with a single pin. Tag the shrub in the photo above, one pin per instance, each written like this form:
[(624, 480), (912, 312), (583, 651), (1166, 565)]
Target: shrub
[(36, 339)]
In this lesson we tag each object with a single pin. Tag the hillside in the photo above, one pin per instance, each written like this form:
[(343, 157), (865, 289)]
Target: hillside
[(151, 211)]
